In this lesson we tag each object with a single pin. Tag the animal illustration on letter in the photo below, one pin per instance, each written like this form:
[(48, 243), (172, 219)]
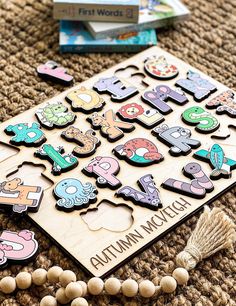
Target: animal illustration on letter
[(198, 86), (109, 126), (85, 100), (72, 194), (17, 247), (105, 169), (87, 142), (224, 103), (198, 186), (115, 88), (14, 194), (149, 195), (177, 138)]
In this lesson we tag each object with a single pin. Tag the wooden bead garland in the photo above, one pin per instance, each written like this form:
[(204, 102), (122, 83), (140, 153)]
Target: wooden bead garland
[(23, 280), (8, 284), (39, 277), (73, 290), (112, 286), (95, 286), (48, 301), (129, 288)]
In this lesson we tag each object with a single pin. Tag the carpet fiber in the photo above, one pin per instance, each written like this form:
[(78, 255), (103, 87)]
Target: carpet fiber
[(29, 37)]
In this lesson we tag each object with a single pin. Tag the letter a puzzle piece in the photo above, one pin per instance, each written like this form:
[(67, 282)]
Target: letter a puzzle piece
[(105, 170), (118, 91), (109, 127), (148, 197), (177, 138), (199, 186), (18, 197), (61, 163), (17, 248), (220, 164)]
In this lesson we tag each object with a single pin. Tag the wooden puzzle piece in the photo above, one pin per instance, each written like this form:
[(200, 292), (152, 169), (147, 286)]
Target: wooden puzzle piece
[(224, 103), (87, 142), (177, 138), (26, 134), (159, 68), (30, 173), (108, 216), (199, 87), (148, 197), (54, 115), (7, 151), (134, 112), (85, 100), (199, 186), (17, 247), (19, 197), (54, 72), (105, 170), (220, 164), (61, 163), (160, 95), (138, 152), (205, 122), (72, 194), (109, 126), (118, 91)]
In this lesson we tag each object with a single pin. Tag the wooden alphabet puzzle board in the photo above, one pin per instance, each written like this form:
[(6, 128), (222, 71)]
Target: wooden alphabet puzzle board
[(164, 140)]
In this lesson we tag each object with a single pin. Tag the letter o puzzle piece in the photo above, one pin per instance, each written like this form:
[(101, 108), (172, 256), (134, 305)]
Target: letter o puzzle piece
[(159, 68)]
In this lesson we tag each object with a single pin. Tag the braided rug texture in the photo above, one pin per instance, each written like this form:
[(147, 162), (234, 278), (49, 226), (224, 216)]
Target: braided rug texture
[(29, 37)]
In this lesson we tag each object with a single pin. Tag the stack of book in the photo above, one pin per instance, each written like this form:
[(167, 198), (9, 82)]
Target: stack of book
[(114, 25)]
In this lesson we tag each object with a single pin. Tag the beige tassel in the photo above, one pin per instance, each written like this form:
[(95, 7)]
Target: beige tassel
[(214, 231)]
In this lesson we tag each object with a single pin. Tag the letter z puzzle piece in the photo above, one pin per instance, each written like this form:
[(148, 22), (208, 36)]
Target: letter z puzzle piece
[(105, 170), (199, 186), (148, 197), (220, 164), (72, 194), (19, 197), (26, 134), (61, 163), (118, 91), (177, 138)]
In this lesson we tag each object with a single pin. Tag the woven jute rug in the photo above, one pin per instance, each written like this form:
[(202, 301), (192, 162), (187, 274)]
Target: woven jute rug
[(29, 37)]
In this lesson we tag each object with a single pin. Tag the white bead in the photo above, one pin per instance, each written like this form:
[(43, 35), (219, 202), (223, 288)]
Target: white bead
[(84, 287), (61, 296), (146, 289), (181, 275), (48, 301), (66, 277), (73, 290), (129, 288), (23, 280), (39, 277), (79, 302), (95, 285), (7, 284), (54, 273), (168, 284), (112, 286)]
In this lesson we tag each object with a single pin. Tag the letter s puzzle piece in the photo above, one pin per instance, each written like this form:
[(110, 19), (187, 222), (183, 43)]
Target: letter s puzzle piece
[(105, 170), (72, 194), (17, 247), (159, 68), (148, 197), (177, 138), (19, 197)]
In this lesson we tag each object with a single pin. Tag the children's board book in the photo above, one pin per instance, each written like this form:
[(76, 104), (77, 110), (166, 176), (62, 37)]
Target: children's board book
[(122, 158), (97, 10), (75, 38), (152, 14)]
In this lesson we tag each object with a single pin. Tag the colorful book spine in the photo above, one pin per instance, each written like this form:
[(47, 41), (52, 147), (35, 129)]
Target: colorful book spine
[(97, 10)]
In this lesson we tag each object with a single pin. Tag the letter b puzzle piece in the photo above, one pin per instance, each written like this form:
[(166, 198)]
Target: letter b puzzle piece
[(19, 197), (177, 138), (148, 197), (105, 170)]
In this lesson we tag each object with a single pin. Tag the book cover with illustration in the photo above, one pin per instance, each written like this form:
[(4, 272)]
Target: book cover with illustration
[(152, 14), (97, 10), (75, 38)]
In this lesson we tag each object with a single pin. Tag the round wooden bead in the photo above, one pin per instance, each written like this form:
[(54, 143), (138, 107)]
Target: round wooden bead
[(23, 280), (95, 285), (39, 277), (54, 273), (61, 296), (168, 284), (48, 301), (84, 287), (112, 286), (7, 284), (73, 290), (181, 275), (147, 289), (66, 277), (129, 288), (79, 302)]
